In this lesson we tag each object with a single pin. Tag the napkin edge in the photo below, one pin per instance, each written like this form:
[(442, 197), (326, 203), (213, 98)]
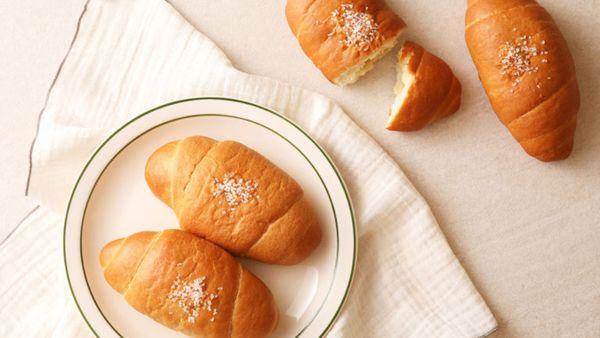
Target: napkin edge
[(50, 88)]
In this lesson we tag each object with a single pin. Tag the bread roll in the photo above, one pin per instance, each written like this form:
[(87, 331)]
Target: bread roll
[(232, 196), (189, 285), (528, 73), (344, 38), (426, 90)]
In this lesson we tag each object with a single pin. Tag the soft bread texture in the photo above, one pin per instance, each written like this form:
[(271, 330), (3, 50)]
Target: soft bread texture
[(313, 24), (275, 224), (426, 90), (539, 106), (146, 267)]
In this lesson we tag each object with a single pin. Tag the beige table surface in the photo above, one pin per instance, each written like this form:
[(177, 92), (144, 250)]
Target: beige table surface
[(528, 233)]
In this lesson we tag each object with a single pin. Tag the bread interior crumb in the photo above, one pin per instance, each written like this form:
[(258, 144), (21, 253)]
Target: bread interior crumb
[(404, 81), (364, 66)]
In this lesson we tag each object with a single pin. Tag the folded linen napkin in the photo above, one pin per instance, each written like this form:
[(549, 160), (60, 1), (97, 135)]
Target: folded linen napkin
[(130, 56)]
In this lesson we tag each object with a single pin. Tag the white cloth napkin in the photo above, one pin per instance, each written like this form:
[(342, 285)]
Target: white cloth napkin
[(131, 55)]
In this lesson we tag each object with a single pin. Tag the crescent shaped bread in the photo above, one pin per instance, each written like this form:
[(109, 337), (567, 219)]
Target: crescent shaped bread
[(189, 285), (528, 73), (344, 39), (234, 197)]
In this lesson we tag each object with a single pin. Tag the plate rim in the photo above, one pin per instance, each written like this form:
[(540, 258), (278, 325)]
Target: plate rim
[(207, 98)]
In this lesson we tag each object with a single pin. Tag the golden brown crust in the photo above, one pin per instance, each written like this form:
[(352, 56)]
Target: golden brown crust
[(435, 92), (252, 317), (312, 24), (161, 172), (540, 106), (124, 256), (266, 227), (289, 234), (147, 267)]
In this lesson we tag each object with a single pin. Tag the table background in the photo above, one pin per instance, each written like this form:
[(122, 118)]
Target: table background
[(527, 233)]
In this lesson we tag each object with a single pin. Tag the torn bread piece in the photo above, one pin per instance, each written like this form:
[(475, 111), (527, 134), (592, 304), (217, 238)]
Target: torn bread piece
[(426, 90), (344, 39)]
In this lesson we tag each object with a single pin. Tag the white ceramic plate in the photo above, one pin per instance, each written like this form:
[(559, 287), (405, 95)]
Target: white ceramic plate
[(111, 200)]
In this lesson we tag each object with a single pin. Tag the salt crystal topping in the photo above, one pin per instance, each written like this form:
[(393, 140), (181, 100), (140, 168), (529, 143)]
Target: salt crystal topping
[(516, 58), (235, 190), (358, 28), (193, 297)]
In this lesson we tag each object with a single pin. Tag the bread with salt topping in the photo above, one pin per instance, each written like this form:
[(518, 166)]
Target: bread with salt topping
[(344, 39), (232, 196), (528, 73), (189, 285)]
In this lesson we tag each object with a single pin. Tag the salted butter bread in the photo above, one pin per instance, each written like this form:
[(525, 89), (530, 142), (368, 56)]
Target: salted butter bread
[(189, 285), (426, 90), (234, 197), (528, 73), (344, 38)]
